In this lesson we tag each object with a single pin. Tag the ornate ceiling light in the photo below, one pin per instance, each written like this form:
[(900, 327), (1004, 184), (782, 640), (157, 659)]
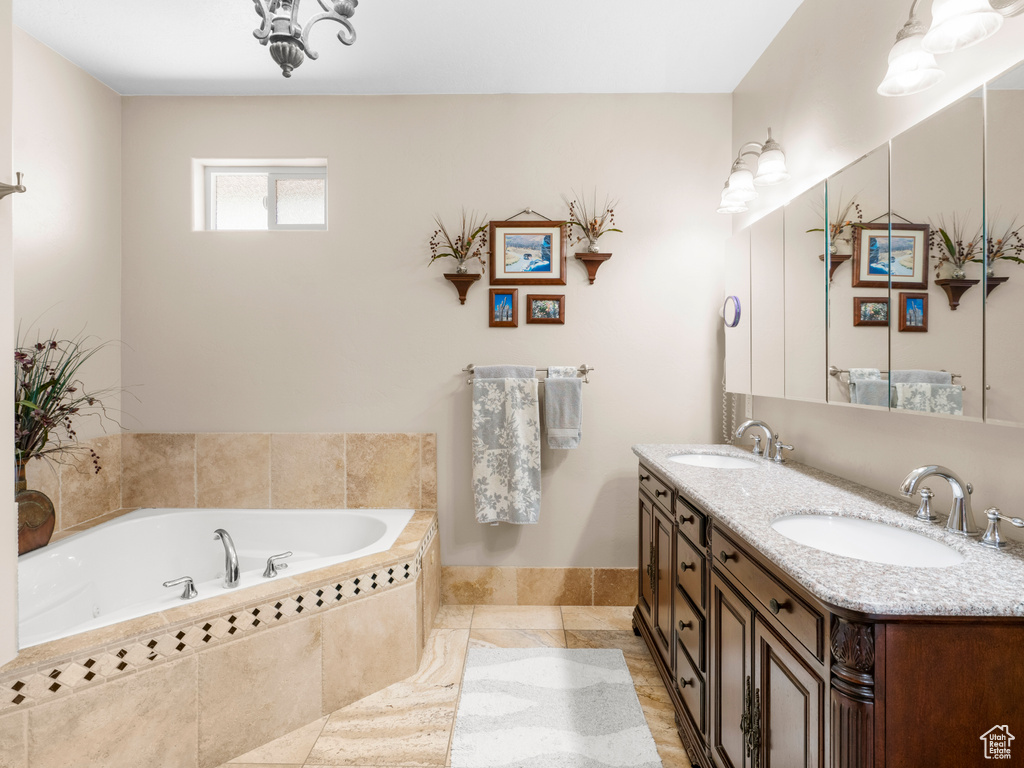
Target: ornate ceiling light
[(288, 39)]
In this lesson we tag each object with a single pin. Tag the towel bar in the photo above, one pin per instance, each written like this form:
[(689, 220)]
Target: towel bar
[(835, 371), (583, 370)]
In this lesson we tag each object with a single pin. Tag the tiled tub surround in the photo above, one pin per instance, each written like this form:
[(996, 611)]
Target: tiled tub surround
[(201, 683), (747, 501), (355, 470)]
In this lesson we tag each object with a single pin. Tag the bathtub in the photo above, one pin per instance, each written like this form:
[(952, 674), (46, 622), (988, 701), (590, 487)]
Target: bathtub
[(115, 571)]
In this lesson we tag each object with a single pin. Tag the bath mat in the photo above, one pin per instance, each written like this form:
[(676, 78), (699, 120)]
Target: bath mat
[(550, 708)]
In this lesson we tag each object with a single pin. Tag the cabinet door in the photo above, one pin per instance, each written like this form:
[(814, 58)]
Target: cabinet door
[(791, 698), (646, 591), (663, 587), (731, 632)]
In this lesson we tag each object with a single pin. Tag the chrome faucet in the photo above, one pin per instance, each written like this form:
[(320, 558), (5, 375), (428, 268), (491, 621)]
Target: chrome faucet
[(230, 558), (769, 436), (961, 518)]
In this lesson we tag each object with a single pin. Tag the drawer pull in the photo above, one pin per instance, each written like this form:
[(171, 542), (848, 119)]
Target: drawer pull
[(644, 478), (689, 519), (726, 557), (683, 683), (685, 625), (776, 606), (684, 566), (660, 493)]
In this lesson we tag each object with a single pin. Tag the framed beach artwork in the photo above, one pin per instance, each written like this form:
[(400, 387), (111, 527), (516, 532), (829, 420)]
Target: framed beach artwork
[(870, 310), (914, 312), (528, 252), (545, 309), (503, 308), (877, 257)]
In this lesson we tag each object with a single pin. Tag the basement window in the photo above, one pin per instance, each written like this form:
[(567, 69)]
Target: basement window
[(264, 197)]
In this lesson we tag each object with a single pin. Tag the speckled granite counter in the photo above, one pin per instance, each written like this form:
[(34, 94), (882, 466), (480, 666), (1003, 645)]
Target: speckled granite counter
[(747, 501)]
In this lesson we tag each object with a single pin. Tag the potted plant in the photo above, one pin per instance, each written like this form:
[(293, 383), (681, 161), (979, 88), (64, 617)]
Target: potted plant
[(48, 399), (468, 244), (592, 226), (954, 250), (840, 233)]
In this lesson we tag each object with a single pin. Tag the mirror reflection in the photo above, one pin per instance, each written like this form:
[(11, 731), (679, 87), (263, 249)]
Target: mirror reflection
[(856, 224), (935, 263), (805, 297), (767, 288), (1004, 199)]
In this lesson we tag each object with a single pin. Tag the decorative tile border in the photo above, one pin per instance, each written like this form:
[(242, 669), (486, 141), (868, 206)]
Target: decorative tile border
[(45, 682)]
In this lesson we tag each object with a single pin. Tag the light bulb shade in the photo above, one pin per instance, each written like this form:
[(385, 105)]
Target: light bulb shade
[(911, 69), (727, 206), (740, 188), (959, 24), (771, 167)]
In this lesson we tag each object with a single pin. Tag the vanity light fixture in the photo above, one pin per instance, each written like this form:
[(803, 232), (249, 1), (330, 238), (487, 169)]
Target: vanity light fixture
[(771, 169), (955, 24), (288, 39)]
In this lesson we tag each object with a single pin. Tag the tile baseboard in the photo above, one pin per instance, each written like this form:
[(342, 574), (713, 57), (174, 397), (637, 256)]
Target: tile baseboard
[(503, 585)]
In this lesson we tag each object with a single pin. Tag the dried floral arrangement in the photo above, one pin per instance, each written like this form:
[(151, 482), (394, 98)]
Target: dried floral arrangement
[(1007, 247), (469, 242), (588, 220), (845, 218), (953, 246), (48, 396)]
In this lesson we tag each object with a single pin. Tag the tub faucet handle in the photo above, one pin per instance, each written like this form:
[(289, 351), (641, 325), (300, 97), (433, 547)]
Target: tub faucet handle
[(273, 566), (190, 589)]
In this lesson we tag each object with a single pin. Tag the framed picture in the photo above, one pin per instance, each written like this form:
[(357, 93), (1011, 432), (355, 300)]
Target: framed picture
[(503, 308), (870, 310), (528, 252), (545, 309), (903, 257), (914, 312)]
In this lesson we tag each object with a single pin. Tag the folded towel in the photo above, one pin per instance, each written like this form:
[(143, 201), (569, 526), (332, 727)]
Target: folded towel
[(506, 450), (865, 374), (930, 398), (504, 372), (921, 377), (563, 407), (870, 392)]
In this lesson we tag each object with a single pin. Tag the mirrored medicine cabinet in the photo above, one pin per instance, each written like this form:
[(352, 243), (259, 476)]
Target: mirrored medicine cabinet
[(898, 283)]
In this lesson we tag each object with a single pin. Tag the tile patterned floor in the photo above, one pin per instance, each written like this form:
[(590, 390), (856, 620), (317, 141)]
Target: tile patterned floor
[(409, 724)]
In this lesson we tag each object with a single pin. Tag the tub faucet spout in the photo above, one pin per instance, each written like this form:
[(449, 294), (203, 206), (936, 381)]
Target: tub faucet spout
[(230, 558)]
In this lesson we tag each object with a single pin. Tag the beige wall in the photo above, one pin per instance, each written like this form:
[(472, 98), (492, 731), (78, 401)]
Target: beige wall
[(348, 330), (8, 516), (67, 232), (817, 90)]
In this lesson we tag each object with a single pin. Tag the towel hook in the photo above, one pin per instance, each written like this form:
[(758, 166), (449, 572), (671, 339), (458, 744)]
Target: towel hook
[(10, 189)]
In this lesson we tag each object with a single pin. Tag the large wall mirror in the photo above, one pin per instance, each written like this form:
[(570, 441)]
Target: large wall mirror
[(805, 296)]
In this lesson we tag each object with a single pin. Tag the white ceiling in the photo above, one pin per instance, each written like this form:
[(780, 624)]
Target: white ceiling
[(417, 46)]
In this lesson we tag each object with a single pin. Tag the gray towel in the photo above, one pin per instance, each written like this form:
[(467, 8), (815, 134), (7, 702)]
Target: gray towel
[(504, 372), (867, 387), (506, 450), (563, 407), (920, 377)]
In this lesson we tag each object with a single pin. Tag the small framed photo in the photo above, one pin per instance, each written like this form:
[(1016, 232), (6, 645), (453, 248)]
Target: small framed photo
[(870, 310), (528, 252), (914, 312), (503, 308), (903, 257), (545, 309)]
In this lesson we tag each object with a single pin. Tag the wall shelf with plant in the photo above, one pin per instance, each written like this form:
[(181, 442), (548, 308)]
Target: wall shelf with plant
[(592, 226), (1007, 247), (469, 243), (955, 249)]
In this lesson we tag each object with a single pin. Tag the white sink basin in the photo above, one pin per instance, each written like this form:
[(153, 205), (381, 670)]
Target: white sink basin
[(713, 461), (867, 540)]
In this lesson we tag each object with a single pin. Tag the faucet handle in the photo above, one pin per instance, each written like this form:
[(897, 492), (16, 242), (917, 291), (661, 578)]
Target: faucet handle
[(190, 589), (992, 537), (779, 448), (924, 512), (757, 445), (273, 566)]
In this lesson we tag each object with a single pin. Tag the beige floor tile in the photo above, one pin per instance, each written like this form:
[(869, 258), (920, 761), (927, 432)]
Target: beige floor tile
[(444, 656), (290, 749), (517, 617), (261, 765), (403, 725), (12, 741), (597, 617), (454, 617), (638, 657), (517, 638)]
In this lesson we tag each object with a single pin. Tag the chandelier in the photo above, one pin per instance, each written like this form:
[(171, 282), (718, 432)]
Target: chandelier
[(288, 39)]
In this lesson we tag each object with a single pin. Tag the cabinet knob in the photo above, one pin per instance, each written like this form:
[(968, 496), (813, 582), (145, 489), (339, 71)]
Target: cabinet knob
[(776, 606), (689, 519), (661, 493), (684, 566), (725, 556), (644, 478), (684, 625), (683, 683)]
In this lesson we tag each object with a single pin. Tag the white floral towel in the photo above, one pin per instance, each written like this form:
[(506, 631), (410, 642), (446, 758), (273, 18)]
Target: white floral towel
[(506, 450), (930, 398)]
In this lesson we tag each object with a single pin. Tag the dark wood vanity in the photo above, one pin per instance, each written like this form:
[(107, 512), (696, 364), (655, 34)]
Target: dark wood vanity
[(761, 673)]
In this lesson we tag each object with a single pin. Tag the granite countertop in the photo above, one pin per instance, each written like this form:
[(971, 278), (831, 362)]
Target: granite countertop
[(746, 501)]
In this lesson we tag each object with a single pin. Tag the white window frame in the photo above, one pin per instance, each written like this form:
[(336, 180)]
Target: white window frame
[(273, 173)]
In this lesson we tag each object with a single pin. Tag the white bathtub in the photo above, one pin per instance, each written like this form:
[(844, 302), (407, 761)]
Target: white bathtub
[(115, 571)]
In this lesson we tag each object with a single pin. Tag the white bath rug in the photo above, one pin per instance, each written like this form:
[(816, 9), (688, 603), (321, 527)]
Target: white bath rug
[(550, 708)]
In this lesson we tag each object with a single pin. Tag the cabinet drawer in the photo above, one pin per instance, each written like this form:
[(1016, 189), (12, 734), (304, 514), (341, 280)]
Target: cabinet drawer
[(661, 493), (805, 623), (691, 574), (690, 685), (692, 522), (690, 632)]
